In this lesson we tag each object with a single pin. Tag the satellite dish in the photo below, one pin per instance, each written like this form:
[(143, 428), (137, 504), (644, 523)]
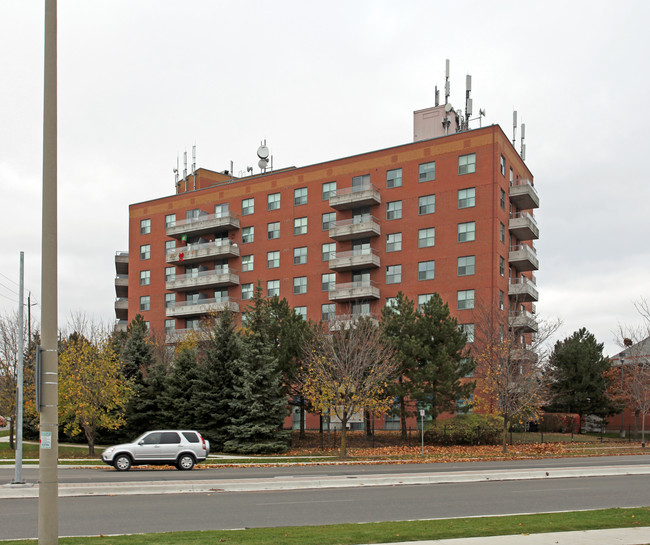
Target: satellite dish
[(448, 107), (262, 163), (263, 153)]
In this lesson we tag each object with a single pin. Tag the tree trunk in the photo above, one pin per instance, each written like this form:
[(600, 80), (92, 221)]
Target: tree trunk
[(343, 452), (11, 434), (402, 415), (504, 439), (90, 437), (368, 418)]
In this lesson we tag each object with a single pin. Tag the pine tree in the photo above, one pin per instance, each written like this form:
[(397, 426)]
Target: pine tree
[(178, 402), (137, 354)]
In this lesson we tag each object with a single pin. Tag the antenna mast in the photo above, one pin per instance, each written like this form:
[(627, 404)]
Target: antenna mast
[(523, 146), (194, 164), (514, 128), (185, 165), (468, 100)]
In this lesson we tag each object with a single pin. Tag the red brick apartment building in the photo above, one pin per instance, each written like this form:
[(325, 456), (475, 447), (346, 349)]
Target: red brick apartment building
[(446, 213)]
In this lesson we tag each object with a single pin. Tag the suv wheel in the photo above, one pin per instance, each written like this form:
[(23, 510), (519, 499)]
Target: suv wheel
[(185, 462), (122, 462)]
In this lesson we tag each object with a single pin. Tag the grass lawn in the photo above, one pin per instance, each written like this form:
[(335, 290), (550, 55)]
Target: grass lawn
[(386, 532)]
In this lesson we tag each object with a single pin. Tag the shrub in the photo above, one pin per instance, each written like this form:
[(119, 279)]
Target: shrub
[(466, 429)]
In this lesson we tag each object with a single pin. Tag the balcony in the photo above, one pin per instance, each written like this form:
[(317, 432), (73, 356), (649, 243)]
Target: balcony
[(173, 336), (121, 325), (122, 308), (355, 259), (207, 223), (524, 354), (524, 195), (202, 306), (344, 321), (523, 258), (364, 289), (523, 226), (355, 228), (122, 285), (204, 279), (121, 263), (193, 253), (523, 290), (355, 197), (523, 321)]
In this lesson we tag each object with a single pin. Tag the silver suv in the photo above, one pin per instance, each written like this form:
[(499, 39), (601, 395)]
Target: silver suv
[(182, 448)]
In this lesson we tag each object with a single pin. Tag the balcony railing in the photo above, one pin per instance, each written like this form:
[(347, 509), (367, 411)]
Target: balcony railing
[(201, 306), (122, 262), (355, 259), (523, 289), (206, 223), (344, 321), (523, 226), (354, 228), (122, 308), (193, 253), (354, 197), (224, 276), (522, 320), (523, 258), (363, 289), (523, 194)]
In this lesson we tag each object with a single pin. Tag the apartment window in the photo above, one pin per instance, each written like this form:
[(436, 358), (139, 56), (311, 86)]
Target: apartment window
[(299, 285), (222, 210), (427, 172), (426, 205), (467, 197), (466, 265), (512, 176), (300, 196), (465, 299), (502, 232), (394, 210), (145, 227), (221, 295), (328, 312), (502, 266), (170, 325), (273, 230), (361, 181), (502, 300), (247, 235), (393, 274), (301, 311), (426, 270), (468, 329), (502, 165), (394, 178), (329, 190), (145, 278), (145, 302), (426, 237), (327, 281), (467, 163), (170, 220), (272, 260), (247, 263), (423, 299), (300, 226), (170, 245), (300, 255), (273, 201), (145, 251), (194, 214), (272, 288), (170, 274), (247, 207), (502, 199), (170, 300), (192, 323), (328, 219), (246, 291), (466, 231), (393, 242), (328, 251)]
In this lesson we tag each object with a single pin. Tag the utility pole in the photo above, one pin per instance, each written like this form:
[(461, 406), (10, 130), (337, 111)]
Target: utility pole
[(18, 469), (48, 489)]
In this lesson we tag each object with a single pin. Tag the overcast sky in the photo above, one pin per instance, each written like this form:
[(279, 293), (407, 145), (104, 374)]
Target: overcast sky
[(141, 81)]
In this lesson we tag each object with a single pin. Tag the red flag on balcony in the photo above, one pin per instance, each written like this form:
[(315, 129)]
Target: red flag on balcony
[(181, 255)]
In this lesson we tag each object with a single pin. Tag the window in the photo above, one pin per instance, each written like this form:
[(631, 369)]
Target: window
[(194, 214), (468, 329), (300, 255), (145, 227), (301, 311), (247, 263), (272, 288), (465, 299), (247, 235), (394, 210), (300, 196), (299, 285), (502, 300), (246, 291), (327, 281), (221, 210), (426, 205), (145, 302), (328, 312), (423, 298), (426, 237), (466, 231), (466, 265), (512, 176), (170, 220), (361, 181), (170, 245), (467, 164), (329, 190), (247, 207), (145, 278), (393, 242), (328, 220), (394, 178), (170, 274), (502, 164), (272, 260), (393, 274), (502, 232), (170, 300), (300, 226), (466, 198), (145, 251), (273, 230), (192, 323), (502, 266), (502, 199), (427, 172), (426, 270), (328, 251), (221, 295), (273, 201), (170, 325)]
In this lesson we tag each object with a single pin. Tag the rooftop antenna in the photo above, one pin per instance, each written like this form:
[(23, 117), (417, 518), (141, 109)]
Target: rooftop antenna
[(522, 138), (194, 164), (468, 100), (437, 95), (185, 165), (263, 154), (176, 172), (514, 127), (447, 87)]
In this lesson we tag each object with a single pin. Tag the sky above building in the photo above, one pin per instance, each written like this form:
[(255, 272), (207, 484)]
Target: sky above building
[(142, 81)]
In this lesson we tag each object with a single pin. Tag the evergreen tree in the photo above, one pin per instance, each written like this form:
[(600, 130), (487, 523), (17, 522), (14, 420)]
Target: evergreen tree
[(137, 354), (178, 402)]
